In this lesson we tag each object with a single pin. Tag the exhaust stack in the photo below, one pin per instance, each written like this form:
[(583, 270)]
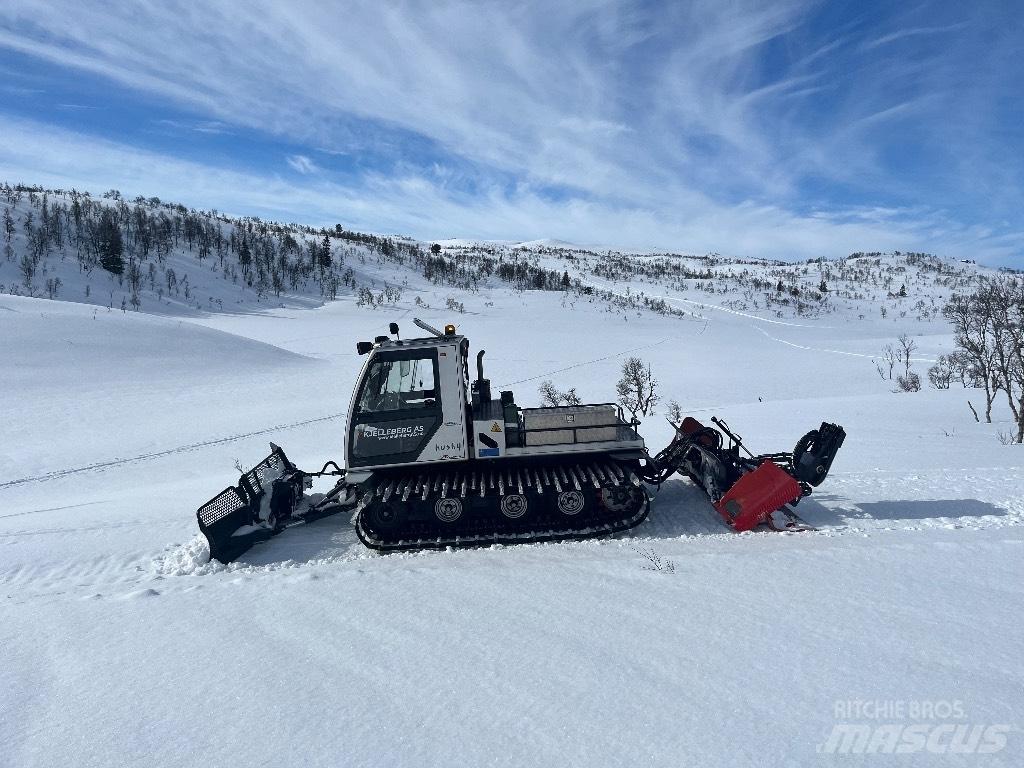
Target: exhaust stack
[(481, 390)]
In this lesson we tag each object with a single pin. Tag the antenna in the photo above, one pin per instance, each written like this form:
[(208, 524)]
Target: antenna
[(427, 327)]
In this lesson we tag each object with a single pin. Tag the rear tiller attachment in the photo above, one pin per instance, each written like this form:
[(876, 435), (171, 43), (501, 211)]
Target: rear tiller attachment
[(747, 490)]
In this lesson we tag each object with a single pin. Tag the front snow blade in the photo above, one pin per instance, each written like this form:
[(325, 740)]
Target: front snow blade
[(756, 495), (239, 516), (221, 518)]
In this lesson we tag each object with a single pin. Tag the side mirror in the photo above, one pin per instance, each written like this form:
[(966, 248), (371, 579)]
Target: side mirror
[(393, 328), (362, 347)]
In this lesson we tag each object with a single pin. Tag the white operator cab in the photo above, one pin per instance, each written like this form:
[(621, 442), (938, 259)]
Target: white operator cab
[(409, 405)]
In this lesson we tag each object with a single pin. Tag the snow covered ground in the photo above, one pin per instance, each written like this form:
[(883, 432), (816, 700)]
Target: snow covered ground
[(122, 646)]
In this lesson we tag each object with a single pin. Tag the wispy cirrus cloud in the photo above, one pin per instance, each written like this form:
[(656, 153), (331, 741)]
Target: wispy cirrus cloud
[(199, 126), (301, 164), (683, 125), (901, 34), (420, 206)]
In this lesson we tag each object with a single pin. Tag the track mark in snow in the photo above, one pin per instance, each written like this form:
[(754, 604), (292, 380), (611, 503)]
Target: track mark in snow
[(98, 528), (158, 454), (124, 569), (53, 509), (579, 365), (834, 351)]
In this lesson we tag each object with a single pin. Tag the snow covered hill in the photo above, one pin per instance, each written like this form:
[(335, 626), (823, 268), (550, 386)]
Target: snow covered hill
[(164, 258), (679, 643)]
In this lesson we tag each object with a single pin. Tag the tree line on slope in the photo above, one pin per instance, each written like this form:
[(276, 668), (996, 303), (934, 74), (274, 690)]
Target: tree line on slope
[(988, 327), (988, 332), (900, 284), (132, 240)]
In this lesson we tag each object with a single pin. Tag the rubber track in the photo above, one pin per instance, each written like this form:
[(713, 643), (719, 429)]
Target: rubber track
[(525, 538), (475, 540)]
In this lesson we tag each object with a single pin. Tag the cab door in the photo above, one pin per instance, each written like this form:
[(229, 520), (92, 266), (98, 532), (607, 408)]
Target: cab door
[(397, 409)]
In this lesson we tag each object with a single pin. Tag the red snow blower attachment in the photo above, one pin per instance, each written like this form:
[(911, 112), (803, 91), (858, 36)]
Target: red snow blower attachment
[(747, 490), (756, 495)]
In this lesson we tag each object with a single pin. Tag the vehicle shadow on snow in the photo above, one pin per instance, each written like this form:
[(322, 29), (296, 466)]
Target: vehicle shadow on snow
[(923, 509), (679, 508), (682, 509), (330, 539)]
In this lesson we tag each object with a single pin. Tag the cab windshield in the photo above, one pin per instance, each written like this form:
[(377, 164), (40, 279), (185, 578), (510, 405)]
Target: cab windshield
[(398, 385)]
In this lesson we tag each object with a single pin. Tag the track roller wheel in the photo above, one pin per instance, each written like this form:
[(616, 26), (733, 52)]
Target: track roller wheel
[(621, 499), (448, 510), (385, 516), (514, 505), (571, 502)]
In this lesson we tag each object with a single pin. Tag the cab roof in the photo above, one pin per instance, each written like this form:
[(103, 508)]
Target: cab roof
[(421, 343)]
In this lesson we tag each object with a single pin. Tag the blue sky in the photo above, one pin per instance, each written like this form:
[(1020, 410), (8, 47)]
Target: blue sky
[(783, 129)]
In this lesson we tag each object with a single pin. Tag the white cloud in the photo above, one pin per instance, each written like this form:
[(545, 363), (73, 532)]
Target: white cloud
[(420, 207), (301, 164), (662, 121), (199, 126), (539, 89), (912, 32)]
